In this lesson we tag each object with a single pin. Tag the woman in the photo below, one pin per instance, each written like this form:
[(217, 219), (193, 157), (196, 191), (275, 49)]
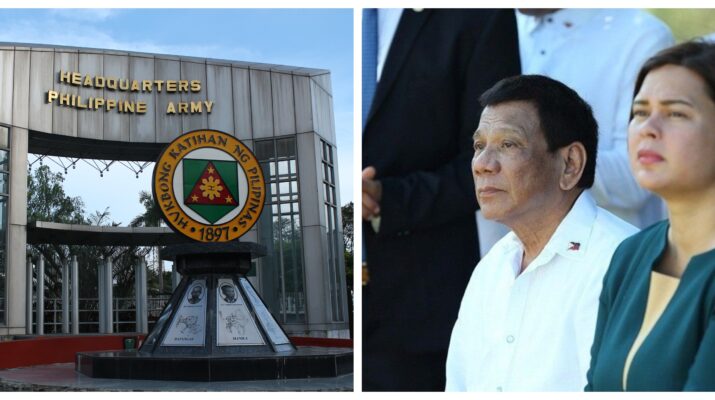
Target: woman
[(656, 319)]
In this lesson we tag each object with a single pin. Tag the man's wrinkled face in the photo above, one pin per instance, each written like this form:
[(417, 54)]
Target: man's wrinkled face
[(515, 176)]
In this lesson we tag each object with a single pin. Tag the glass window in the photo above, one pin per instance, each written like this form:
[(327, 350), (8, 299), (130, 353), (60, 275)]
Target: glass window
[(4, 137), (285, 147), (335, 271), (4, 160), (282, 167), (264, 150), (282, 280), (4, 179)]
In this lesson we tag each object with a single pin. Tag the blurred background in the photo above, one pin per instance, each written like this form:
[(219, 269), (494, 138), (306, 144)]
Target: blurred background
[(687, 23)]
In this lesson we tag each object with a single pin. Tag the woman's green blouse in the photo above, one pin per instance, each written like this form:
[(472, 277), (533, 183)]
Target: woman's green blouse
[(679, 352)]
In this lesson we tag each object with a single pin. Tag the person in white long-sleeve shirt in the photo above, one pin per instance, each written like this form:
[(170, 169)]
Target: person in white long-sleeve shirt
[(596, 52), (528, 316)]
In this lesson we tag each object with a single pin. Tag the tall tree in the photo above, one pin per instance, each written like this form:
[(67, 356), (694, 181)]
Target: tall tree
[(346, 212), (47, 201), (151, 215)]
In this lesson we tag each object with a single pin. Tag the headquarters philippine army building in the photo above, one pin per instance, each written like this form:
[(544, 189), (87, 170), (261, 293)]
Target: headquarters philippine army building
[(120, 105)]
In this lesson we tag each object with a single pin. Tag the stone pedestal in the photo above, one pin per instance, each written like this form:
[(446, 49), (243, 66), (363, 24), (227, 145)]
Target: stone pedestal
[(216, 327)]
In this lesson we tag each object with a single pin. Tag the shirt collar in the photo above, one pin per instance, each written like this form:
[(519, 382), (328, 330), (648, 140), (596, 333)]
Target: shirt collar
[(572, 235), (565, 18), (570, 239)]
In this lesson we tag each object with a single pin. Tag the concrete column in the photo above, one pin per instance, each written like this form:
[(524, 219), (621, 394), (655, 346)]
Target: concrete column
[(65, 299), (138, 296), (28, 297), (41, 296), (75, 296), (108, 300), (100, 296), (141, 297), (16, 270)]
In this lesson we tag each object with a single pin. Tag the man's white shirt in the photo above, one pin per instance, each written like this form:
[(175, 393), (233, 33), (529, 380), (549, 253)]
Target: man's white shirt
[(533, 331), (387, 21)]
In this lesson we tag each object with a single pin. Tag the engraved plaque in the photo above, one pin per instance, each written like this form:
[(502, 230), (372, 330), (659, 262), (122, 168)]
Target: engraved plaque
[(275, 333), (234, 323), (189, 326)]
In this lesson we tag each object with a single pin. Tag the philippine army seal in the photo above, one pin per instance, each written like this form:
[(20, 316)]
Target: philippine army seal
[(209, 186)]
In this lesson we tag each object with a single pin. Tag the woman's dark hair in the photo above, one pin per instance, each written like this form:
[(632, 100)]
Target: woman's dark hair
[(698, 56)]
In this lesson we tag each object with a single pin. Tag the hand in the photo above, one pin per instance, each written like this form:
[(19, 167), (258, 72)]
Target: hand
[(371, 194)]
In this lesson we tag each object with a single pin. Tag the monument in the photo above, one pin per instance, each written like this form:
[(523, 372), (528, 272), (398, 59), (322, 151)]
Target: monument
[(210, 188)]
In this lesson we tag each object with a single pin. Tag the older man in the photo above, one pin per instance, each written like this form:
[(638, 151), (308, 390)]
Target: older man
[(528, 315)]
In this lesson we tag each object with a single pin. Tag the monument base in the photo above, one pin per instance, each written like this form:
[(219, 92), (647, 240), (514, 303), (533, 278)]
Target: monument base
[(304, 362), (216, 327)]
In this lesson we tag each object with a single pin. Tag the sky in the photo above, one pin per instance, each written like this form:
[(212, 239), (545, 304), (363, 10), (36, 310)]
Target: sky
[(313, 38)]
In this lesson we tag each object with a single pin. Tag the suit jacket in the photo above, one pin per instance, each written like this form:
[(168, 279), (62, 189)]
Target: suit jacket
[(418, 136)]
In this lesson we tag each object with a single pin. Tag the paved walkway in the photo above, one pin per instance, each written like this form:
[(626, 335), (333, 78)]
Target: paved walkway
[(62, 377)]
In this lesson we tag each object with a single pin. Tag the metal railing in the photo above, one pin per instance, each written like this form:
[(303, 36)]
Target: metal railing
[(123, 309)]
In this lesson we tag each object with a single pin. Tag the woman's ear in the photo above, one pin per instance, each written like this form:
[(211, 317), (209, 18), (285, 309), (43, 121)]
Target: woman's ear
[(574, 162)]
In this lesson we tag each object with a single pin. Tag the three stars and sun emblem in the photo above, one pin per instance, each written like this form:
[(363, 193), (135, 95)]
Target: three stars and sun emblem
[(210, 189)]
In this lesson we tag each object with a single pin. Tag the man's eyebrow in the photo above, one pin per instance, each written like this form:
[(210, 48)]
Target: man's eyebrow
[(666, 102), (517, 131), (677, 101)]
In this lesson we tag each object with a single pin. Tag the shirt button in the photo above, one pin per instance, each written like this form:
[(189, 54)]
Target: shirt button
[(510, 339), (499, 389)]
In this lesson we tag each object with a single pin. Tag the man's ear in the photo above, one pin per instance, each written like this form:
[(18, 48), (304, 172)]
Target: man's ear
[(574, 162)]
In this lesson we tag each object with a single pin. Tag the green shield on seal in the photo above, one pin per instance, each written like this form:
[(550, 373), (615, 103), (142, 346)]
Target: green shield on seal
[(210, 187)]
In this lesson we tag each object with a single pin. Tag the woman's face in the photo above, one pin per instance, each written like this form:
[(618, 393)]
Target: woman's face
[(671, 137)]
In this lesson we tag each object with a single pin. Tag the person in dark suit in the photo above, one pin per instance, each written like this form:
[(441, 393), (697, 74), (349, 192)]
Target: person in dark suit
[(418, 195)]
